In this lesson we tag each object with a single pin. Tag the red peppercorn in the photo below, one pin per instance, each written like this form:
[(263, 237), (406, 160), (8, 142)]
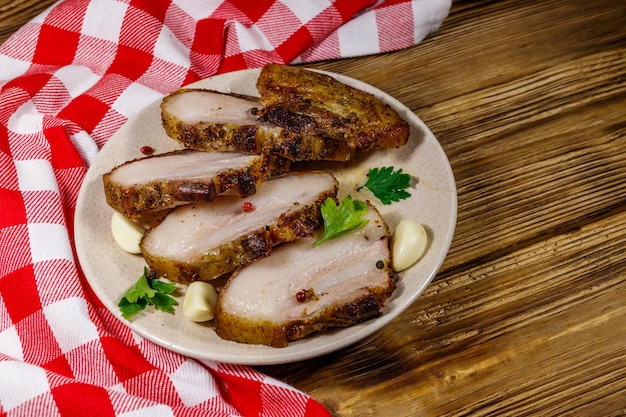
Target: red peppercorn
[(247, 207), (147, 150), (301, 296)]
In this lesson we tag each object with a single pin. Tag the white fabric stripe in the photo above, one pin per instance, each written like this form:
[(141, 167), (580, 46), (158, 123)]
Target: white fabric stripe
[(354, 41), (20, 382)]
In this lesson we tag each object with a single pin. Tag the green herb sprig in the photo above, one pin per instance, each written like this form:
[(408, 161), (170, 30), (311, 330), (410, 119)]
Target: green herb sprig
[(147, 291), (341, 219), (388, 185)]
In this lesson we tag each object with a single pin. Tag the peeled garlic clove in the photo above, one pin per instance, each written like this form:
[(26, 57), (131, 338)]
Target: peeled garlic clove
[(408, 244), (200, 300), (126, 233)]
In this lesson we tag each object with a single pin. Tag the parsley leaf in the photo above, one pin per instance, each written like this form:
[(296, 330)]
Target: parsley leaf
[(129, 309), (163, 302), (388, 185), (147, 291), (342, 219), (141, 290)]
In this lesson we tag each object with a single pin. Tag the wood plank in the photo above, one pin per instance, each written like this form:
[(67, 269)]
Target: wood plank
[(526, 315), (16, 13), (533, 128), (538, 331), (486, 43), (525, 173)]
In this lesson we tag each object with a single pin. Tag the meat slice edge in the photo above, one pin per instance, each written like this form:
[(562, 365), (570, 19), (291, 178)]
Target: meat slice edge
[(209, 120), (164, 181), (204, 241), (322, 105), (301, 290)]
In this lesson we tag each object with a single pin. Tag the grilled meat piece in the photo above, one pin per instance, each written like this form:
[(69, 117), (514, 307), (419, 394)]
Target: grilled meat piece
[(300, 290), (317, 104), (212, 121), (203, 241), (167, 180)]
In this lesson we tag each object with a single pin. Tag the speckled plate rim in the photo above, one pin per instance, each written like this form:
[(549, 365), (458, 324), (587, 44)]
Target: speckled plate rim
[(110, 271)]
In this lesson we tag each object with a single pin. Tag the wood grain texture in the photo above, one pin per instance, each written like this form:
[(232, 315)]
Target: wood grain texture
[(16, 13), (527, 316), (488, 106), (535, 332)]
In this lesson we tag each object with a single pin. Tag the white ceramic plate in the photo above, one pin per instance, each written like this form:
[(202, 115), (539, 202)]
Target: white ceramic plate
[(110, 271)]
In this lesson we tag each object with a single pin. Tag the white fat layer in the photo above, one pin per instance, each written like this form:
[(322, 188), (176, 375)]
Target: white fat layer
[(196, 106), (338, 271), (192, 230), (189, 165)]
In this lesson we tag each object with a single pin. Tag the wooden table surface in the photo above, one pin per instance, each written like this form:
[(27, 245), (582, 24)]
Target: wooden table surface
[(527, 315)]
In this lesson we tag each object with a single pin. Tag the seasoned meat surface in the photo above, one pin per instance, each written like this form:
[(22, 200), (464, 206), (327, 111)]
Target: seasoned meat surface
[(167, 180), (318, 104), (300, 290), (212, 121), (302, 115), (203, 241)]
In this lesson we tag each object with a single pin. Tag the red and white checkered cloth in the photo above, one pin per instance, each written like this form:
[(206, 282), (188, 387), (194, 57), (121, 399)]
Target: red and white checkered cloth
[(68, 80)]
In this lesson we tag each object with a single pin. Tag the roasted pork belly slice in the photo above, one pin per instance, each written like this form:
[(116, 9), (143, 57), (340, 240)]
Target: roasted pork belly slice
[(322, 105), (167, 180), (203, 241), (300, 290), (212, 121)]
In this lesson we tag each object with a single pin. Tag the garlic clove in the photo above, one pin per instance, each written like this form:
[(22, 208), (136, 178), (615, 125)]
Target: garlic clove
[(126, 233), (199, 302), (408, 244)]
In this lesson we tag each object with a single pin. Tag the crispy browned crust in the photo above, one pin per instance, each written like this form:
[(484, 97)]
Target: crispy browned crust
[(164, 194), (315, 103), (253, 139), (218, 261), (369, 306)]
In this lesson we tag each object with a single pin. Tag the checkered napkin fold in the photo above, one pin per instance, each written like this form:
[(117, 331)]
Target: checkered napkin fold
[(68, 80)]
